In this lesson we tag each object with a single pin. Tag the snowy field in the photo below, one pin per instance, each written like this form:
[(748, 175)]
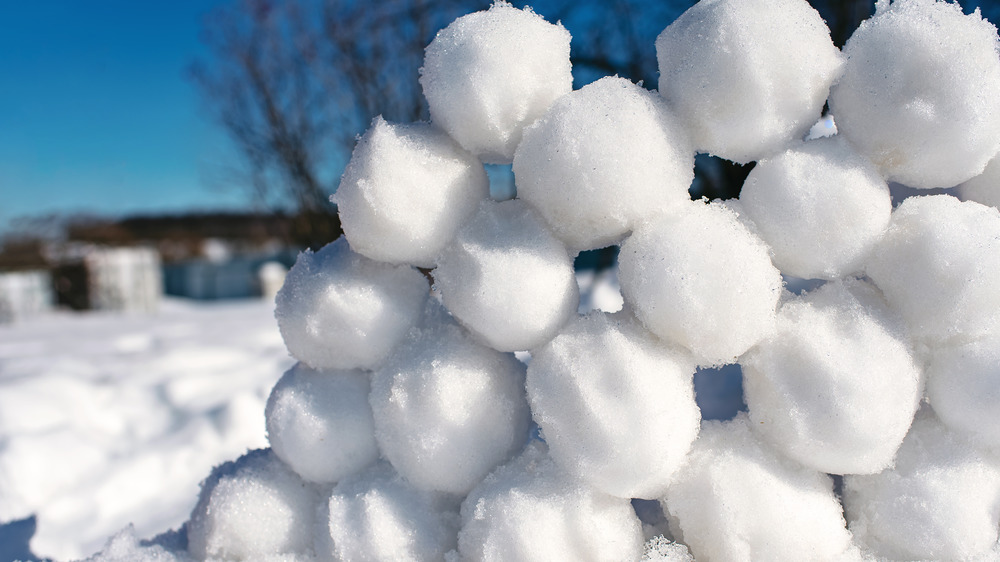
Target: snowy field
[(107, 420)]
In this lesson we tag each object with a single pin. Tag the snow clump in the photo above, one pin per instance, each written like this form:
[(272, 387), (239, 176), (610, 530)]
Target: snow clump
[(406, 191), (919, 92), (492, 73), (621, 465), (601, 160), (748, 76), (341, 310)]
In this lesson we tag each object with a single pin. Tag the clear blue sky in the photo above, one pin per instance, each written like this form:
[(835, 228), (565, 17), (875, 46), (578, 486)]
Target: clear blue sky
[(96, 113)]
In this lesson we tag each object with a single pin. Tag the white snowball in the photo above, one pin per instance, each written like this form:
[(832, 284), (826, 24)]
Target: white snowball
[(340, 310), (939, 266), (253, 508), (448, 410), (507, 278), (735, 500), (748, 75), (489, 74), (530, 510), (616, 406), (963, 387), (984, 188), (699, 278), (836, 387), (940, 502), (320, 423), (378, 516), (601, 159), (820, 207), (919, 92), (406, 191)]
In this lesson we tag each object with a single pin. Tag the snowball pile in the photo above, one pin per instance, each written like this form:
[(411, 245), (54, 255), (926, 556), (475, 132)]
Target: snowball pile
[(467, 411)]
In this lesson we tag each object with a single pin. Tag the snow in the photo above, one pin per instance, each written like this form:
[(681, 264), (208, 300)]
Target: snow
[(109, 420), (618, 466)]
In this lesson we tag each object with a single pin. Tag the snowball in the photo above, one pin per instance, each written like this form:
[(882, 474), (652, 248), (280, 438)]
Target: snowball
[(939, 266), (699, 278), (963, 386), (748, 75), (530, 510), (490, 73), (940, 502), (919, 92), (340, 310), (984, 188), (507, 278), (615, 404), (406, 191), (735, 500), (320, 423), (819, 206), (448, 410), (252, 508), (601, 159), (378, 516), (836, 387)]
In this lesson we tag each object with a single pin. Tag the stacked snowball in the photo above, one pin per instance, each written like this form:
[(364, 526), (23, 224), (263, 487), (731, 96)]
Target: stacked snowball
[(410, 430)]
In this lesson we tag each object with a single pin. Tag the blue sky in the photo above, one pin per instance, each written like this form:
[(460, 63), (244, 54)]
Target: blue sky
[(96, 113)]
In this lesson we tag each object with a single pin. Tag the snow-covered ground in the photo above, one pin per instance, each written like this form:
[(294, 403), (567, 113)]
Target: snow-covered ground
[(107, 420)]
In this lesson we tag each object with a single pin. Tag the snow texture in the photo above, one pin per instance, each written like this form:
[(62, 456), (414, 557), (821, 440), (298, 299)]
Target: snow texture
[(615, 405), (448, 409), (507, 278), (836, 387), (530, 510), (749, 76), (676, 273), (820, 206), (918, 95), (601, 160), (489, 74), (341, 310), (406, 191), (320, 424)]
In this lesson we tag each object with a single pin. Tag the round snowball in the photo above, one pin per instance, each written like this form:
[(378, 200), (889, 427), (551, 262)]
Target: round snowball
[(507, 278), (749, 75), (939, 502), (530, 510), (406, 191), (252, 508), (918, 95), (820, 206), (699, 278), (615, 404), (984, 188), (601, 159), (448, 410), (489, 74), (340, 310), (939, 266), (379, 517), (320, 423), (836, 387), (963, 386), (736, 500)]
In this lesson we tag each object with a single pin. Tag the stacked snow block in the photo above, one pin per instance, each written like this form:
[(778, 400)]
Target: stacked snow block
[(411, 431)]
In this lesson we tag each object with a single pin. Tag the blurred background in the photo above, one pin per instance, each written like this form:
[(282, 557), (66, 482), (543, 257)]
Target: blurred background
[(161, 165)]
